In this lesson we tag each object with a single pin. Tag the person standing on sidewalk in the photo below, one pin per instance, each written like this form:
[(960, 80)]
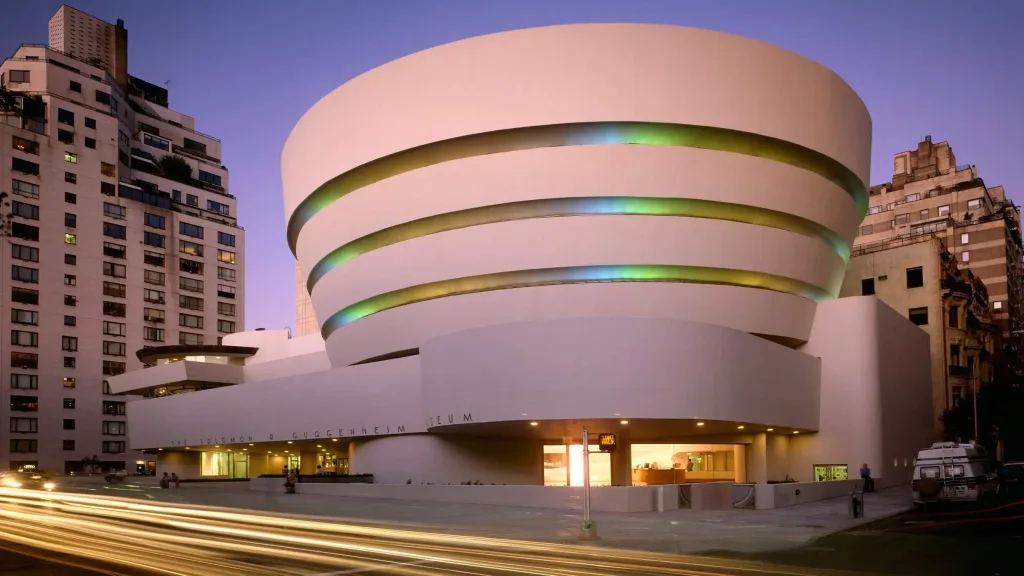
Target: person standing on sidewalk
[(865, 475)]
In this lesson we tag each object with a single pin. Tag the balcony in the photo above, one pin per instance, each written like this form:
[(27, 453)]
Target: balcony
[(964, 371)]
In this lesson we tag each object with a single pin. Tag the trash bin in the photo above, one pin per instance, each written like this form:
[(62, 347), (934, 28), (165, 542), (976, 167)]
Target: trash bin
[(857, 504)]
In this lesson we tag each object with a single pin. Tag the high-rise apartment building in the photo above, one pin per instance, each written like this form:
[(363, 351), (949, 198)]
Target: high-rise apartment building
[(931, 194), (118, 233), (92, 40), (305, 316)]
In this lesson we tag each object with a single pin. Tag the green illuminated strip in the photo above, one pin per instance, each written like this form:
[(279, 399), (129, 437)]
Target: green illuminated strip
[(580, 206), (577, 134), (569, 275)]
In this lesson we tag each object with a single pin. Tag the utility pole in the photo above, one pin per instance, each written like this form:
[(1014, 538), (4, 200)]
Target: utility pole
[(588, 528)]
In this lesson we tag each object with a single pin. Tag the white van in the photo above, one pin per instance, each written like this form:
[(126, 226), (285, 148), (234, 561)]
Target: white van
[(949, 471)]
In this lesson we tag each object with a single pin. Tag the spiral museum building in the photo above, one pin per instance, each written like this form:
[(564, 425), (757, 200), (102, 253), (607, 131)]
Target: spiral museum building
[(639, 229)]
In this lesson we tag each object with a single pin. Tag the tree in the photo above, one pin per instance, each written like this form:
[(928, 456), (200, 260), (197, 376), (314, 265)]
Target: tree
[(175, 167)]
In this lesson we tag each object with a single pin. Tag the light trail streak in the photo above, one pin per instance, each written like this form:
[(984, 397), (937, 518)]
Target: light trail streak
[(180, 540)]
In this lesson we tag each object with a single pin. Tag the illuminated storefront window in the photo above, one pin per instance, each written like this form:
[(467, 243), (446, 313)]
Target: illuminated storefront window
[(680, 463), (225, 464), (563, 466)]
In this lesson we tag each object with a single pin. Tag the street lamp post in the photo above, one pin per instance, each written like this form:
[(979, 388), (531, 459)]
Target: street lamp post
[(588, 528)]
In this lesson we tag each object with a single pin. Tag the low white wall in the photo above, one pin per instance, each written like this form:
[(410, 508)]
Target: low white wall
[(603, 498), (711, 496), (770, 496)]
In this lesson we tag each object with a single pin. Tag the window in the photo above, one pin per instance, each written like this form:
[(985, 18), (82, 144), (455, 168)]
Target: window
[(153, 315), (153, 258), (26, 146), (70, 220), (114, 328), (24, 403), (65, 117), (902, 218), (923, 214), (71, 198), (115, 270), (155, 221), (112, 368), (189, 339), (114, 211), (186, 229), (225, 291), (90, 142), (954, 316), (218, 208), (69, 423), (225, 274), (70, 238), (116, 309), (153, 334), (24, 425), (153, 296), (26, 253), (226, 239), (70, 300), (26, 317), (66, 137), (123, 140), (23, 274), (114, 408), (226, 308), (113, 447), (106, 387), (997, 305), (70, 321), (27, 211), (114, 289), (226, 256), (114, 250), (153, 277), (190, 248), (190, 302), (20, 76), (190, 321), (115, 428), (69, 361), (912, 197), (156, 142), (225, 326), (90, 122), (915, 277), (70, 177), (69, 343), (965, 257), (24, 295), (69, 382), (974, 204), (70, 280), (107, 170), (24, 382), (23, 338), (71, 157), (24, 446), (115, 231), (25, 231), (209, 178), (944, 210), (26, 189), (75, 87), (190, 266), (190, 284), (69, 444), (865, 230), (965, 238), (148, 128), (190, 199), (24, 360), (153, 239), (919, 316), (24, 166), (195, 146), (113, 348)]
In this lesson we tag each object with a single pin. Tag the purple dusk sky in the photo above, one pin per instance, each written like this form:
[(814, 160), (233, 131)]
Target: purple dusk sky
[(247, 70)]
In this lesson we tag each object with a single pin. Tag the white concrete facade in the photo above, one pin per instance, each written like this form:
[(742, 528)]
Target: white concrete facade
[(523, 234)]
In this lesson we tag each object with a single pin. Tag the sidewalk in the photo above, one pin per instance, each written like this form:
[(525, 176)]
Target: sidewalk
[(675, 531)]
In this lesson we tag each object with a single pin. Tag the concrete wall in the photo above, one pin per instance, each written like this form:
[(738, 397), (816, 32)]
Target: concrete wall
[(770, 496), (186, 464), (875, 390), (600, 367)]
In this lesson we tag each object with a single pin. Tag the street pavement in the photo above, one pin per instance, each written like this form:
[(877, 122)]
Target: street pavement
[(21, 564)]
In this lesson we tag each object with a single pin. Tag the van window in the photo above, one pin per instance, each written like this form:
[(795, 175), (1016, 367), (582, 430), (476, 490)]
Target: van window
[(931, 472)]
